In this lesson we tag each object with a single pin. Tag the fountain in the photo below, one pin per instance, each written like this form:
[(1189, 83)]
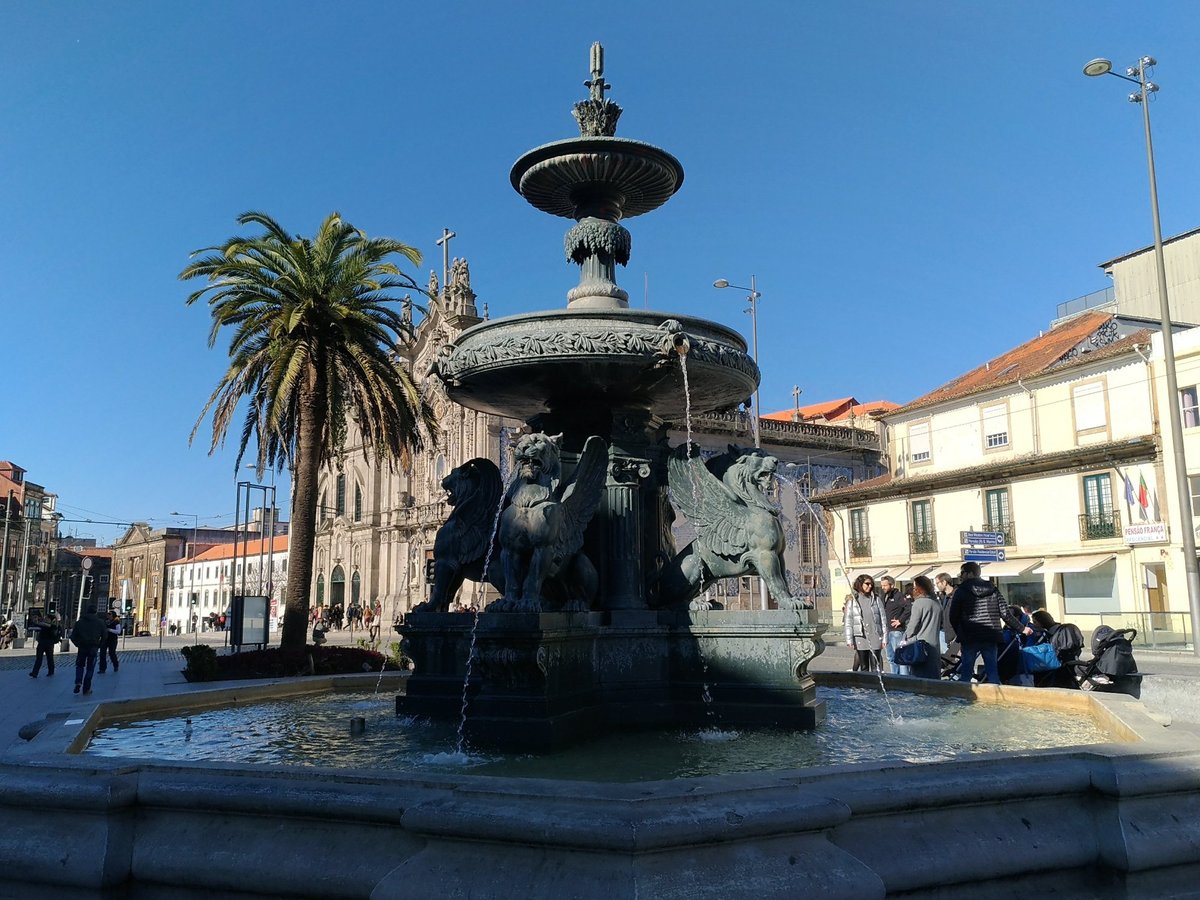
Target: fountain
[(594, 631)]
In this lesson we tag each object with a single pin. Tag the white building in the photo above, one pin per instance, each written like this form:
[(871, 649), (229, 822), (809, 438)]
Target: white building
[(205, 584)]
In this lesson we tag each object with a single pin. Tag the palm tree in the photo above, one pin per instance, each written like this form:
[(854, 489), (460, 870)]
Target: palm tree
[(314, 340)]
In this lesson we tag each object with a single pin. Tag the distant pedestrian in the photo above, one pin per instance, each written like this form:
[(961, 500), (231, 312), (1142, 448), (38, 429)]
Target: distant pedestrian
[(924, 624), (978, 613), (48, 636), (944, 583), (370, 623), (8, 634), (88, 637), (863, 624), (112, 632)]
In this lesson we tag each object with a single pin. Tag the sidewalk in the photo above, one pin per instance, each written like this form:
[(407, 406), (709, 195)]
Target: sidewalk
[(146, 671)]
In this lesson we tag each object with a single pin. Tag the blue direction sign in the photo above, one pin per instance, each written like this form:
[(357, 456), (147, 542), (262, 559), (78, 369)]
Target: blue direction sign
[(983, 555), (982, 538)]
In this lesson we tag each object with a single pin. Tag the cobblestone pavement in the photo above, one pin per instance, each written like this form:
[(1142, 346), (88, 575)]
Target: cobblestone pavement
[(25, 660)]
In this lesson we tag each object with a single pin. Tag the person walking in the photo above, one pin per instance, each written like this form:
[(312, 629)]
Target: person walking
[(49, 634), (863, 624), (88, 637), (896, 610), (944, 582), (112, 632), (925, 624)]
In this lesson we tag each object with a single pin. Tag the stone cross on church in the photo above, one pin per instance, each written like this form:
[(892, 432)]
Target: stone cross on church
[(444, 243)]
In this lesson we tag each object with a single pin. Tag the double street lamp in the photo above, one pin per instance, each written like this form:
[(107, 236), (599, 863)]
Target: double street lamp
[(753, 310), (1137, 75)]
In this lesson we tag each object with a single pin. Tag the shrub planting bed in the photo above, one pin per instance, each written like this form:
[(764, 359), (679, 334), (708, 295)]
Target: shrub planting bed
[(205, 665)]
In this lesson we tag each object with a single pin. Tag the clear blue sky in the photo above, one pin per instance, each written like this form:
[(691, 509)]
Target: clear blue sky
[(915, 185)]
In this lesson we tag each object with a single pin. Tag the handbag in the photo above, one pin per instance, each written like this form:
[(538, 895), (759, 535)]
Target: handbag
[(1040, 658), (912, 654)]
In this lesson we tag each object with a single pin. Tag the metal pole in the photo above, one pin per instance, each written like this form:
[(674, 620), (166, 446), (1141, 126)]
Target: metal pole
[(24, 566), (4, 592), (757, 400), (1186, 525)]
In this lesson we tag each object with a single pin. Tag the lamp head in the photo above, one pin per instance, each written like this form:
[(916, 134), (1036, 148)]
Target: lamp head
[(1098, 66), (720, 283)]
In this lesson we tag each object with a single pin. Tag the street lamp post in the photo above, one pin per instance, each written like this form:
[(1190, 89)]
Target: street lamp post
[(1137, 75), (192, 572), (753, 297)]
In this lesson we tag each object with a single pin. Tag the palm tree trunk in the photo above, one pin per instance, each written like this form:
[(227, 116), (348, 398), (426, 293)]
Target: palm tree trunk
[(302, 532)]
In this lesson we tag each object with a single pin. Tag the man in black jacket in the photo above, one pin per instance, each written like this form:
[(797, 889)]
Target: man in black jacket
[(49, 634), (87, 636), (978, 613), (896, 610)]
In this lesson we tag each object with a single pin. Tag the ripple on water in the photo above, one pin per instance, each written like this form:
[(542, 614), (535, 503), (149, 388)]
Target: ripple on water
[(315, 731)]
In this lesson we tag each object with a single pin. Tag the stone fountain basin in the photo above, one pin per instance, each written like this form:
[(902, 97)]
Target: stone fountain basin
[(1114, 819), (527, 365)]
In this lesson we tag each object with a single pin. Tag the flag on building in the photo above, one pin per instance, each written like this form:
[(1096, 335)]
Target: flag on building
[(1143, 492), (1129, 497)]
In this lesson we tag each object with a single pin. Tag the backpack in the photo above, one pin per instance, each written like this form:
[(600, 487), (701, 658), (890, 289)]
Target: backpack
[(1067, 641)]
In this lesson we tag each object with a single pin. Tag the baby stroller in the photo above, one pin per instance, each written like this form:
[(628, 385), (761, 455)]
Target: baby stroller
[(1112, 668)]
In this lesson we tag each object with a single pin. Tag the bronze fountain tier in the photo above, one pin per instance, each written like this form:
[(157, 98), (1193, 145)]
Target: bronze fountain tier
[(599, 624)]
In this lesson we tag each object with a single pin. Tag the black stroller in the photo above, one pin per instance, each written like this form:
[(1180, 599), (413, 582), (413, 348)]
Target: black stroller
[(1112, 668)]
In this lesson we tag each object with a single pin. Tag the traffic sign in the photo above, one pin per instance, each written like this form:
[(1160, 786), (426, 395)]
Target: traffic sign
[(971, 555), (982, 538)]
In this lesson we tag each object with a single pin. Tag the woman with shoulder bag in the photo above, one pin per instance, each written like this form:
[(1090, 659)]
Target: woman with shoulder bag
[(924, 628), (863, 624)]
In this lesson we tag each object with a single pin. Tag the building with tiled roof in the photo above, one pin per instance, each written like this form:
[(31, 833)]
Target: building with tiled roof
[(843, 411), (201, 587), (1052, 450)]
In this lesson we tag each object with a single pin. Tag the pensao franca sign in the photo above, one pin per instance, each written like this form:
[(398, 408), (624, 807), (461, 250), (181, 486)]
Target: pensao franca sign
[(1146, 533)]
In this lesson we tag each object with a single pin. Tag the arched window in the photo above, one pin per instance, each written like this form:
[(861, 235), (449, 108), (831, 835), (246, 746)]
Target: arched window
[(355, 587), (439, 471), (339, 504), (357, 503), (320, 590), (322, 507), (337, 587)]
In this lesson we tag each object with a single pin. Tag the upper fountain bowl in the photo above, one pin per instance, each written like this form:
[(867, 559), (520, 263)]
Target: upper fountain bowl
[(611, 177), (551, 362)]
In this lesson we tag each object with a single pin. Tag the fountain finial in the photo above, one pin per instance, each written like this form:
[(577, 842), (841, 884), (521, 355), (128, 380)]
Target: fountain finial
[(597, 116)]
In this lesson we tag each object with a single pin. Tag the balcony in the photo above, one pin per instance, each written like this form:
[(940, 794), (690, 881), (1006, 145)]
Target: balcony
[(1008, 529), (922, 542), (860, 548), (1100, 526)]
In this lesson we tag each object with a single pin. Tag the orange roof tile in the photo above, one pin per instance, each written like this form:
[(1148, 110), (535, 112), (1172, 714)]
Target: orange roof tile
[(814, 410), (254, 547), (860, 410), (1031, 358)]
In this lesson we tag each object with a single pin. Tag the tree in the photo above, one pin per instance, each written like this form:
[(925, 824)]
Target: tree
[(314, 340)]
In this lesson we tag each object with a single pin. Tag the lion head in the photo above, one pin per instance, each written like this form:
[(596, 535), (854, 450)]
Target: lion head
[(463, 483), (537, 458), (752, 477)]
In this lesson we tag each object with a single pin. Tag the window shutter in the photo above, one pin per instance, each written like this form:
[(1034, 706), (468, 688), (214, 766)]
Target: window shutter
[(1088, 400), (918, 442)]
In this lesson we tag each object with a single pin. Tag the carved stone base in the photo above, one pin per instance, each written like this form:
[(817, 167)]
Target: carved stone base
[(540, 682)]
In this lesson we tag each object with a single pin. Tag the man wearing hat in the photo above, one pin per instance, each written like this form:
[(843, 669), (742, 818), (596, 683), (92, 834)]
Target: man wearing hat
[(48, 635)]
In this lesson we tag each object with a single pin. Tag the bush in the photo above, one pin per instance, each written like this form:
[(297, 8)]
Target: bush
[(201, 663), (276, 663)]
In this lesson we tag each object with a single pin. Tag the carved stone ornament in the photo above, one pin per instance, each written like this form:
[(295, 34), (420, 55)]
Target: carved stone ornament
[(805, 651), (597, 118), (592, 236)]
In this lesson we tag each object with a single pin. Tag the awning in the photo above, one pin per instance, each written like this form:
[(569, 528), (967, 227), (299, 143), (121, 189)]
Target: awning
[(875, 573), (1009, 567), (910, 572), (1074, 563)]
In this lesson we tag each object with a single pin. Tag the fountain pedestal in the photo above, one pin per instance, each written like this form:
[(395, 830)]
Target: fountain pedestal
[(543, 681)]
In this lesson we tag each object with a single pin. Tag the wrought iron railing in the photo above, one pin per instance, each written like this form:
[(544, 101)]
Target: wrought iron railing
[(1008, 529), (860, 547), (922, 542), (1100, 526)]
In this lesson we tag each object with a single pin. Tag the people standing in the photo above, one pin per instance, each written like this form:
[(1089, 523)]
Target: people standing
[(49, 634), (369, 623), (112, 632), (925, 624), (88, 637), (864, 625), (896, 610), (978, 613), (944, 582)]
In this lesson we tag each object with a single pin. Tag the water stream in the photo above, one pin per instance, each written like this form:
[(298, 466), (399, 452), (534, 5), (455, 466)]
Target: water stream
[(687, 420)]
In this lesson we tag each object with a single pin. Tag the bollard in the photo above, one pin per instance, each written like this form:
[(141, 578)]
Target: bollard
[(358, 725)]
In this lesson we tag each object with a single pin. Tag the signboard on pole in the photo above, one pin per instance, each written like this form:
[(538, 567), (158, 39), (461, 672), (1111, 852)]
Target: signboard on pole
[(970, 555), (982, 538)]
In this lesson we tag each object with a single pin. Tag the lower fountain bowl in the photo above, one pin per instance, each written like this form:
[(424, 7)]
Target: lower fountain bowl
[(527, 365)]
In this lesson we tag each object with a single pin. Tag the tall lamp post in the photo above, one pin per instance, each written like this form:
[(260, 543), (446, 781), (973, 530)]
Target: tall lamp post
[(192, 572), (1137, 75), (753, 310)]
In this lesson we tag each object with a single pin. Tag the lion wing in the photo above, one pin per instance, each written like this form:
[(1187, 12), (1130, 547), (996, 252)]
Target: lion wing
[(720, 517), (581, 498)]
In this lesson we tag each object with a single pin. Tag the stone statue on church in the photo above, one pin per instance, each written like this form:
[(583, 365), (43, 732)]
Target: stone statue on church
[(433, 288)]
